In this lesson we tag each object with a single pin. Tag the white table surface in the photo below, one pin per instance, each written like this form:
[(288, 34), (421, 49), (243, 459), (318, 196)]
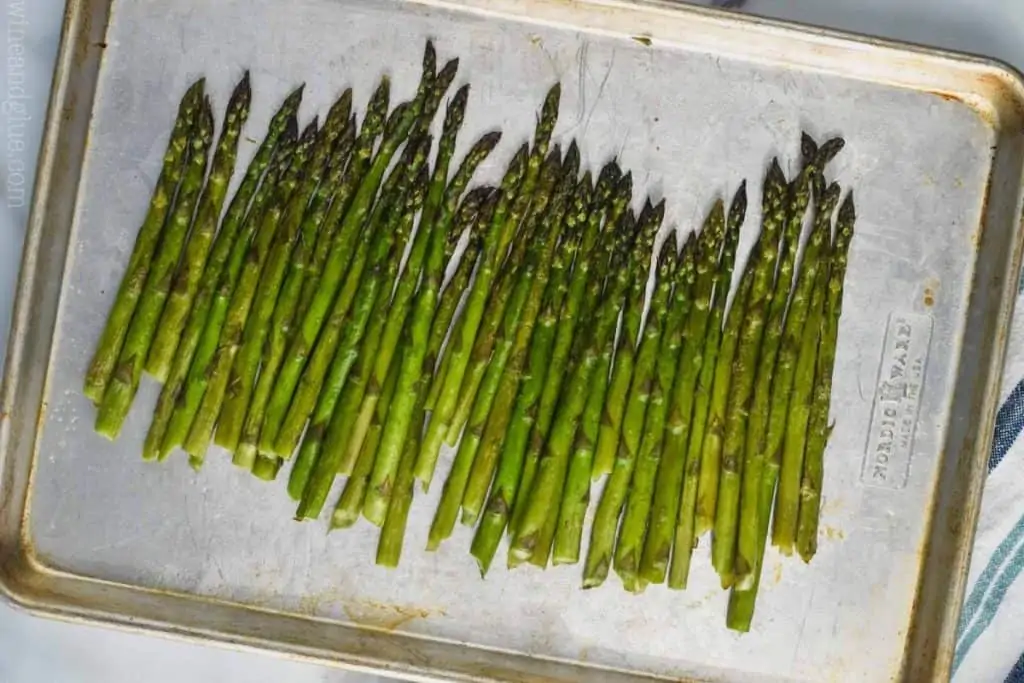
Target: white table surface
[(33, 650)]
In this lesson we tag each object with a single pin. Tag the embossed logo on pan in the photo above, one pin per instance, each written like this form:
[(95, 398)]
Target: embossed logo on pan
[(897, 401)]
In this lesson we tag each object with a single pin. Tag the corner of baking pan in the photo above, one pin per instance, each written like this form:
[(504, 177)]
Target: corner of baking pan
[(23, 580)]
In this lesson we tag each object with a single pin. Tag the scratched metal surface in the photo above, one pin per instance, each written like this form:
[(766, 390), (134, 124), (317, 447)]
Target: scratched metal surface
[(691, 116)]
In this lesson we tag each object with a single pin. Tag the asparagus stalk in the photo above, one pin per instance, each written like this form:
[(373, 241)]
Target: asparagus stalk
[(528, 541), (633, 529), (286, 309), (685, 536), (465, 334), (609, 509), (230, 232), (796, 364), (440, 193), (761, 274), (818, 429), (341, 252), (186, 282), (527, 287), (568, 519), (724, 349), (332, 358), (201, 430), (392, 535), (247, 362), (512, 293), (324, 465), (615, 405), (414, 351), (502, 410), (124, 382), (495, 248), (104, 359), (562, 289), (584, 292)]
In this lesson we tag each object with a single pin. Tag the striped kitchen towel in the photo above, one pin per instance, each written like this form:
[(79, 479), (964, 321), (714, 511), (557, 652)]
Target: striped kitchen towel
[(990, 640)]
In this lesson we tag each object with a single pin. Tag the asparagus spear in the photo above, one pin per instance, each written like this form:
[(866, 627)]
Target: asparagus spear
[(568, 519), (796, 362), (633, 529), (186, 403), (286, 309), (584, 292), (748, 551), (465, 334), (761, 274), (567, 289), (201, 430), (324, 465), (440, 193), (186, 282), (333, 355), (502, 410), (606, 520), (527, 287), (495, 248), (489, 332), (507, 304), (685, 536), (615, 403), (108, 350), (243, 371), (528, 541), (124, 381), (230, 232), (339, 255), (818, 429), (414, 351), (724, 349), (392, 535)]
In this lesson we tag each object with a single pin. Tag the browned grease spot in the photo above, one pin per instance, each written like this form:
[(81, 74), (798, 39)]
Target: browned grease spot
[(535, 39), (777, 574), (948, 96), (929, 299), (833, 534), (643, 40), (385, 616)]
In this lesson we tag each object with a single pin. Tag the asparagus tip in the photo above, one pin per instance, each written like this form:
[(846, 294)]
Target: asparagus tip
[(808, 147), (848, 212)]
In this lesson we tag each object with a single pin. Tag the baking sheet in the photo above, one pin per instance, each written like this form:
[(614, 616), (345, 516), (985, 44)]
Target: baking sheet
[(933, 155)]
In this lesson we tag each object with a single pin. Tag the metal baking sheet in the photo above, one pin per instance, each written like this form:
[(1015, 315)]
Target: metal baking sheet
[(692, 101)]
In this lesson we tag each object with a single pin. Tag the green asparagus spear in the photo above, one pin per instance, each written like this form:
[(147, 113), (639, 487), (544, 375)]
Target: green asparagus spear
[(334, 353), (502, 409), (818, 429), (609, 509), (633, 530), (465, 334), (247, 362), (185, 404), (685, 536), (722, 348), (200, 432), (662, 537), (414, 351), (392, 535), (286, 309), (797, 360), (124, 382), (339, 255), (108, 350), (229, 233), (186, 282), (576, 495), (526, 442), (401, 302), (325, 465), (761, 273), (528, 541)]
